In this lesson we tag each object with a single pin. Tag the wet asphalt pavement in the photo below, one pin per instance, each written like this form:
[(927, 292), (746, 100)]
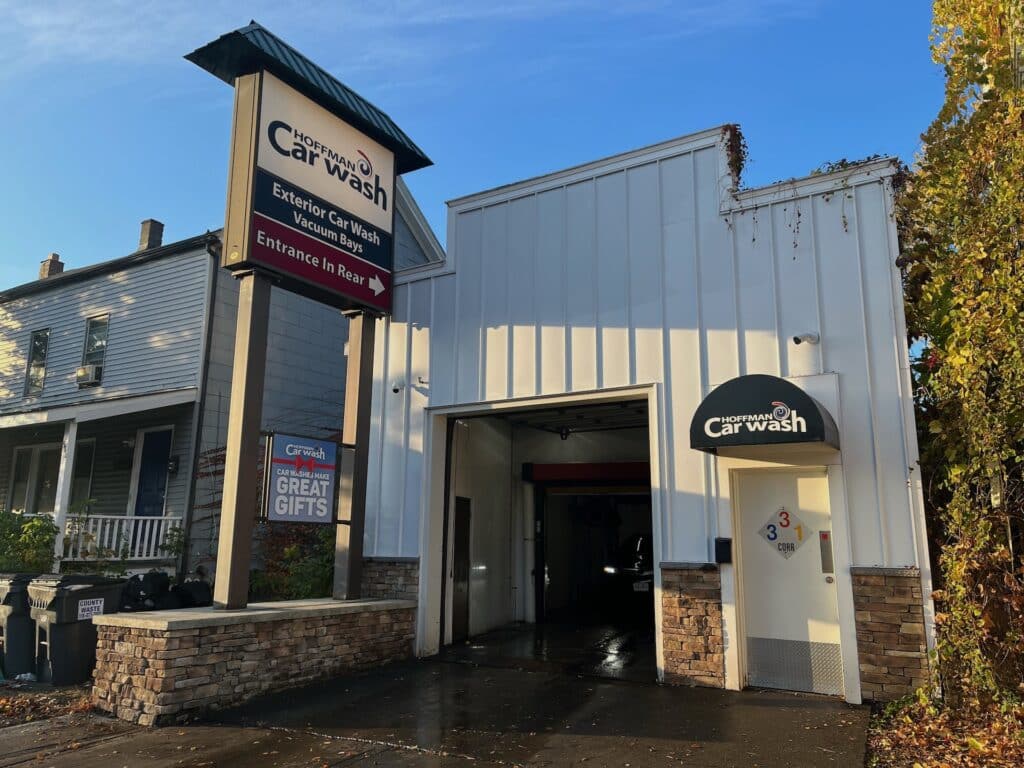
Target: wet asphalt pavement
[(593, 649), (452, 711), (534, 716)]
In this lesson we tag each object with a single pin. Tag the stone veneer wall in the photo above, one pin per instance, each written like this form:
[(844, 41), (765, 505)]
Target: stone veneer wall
[(891, 643), (691, 624), (396, 577), (160, 667)]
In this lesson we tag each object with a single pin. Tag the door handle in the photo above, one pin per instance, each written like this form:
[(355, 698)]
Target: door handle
[(825, 541)]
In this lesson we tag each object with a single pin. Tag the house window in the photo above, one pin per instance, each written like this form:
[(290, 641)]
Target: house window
[(91, 372), (35, 371), (34, 477)]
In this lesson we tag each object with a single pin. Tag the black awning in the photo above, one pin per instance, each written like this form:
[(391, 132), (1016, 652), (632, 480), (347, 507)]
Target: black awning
[(760, 410)]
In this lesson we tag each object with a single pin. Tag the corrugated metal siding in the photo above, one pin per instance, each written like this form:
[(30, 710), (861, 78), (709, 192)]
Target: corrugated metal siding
[(155, 334), (643, 269)]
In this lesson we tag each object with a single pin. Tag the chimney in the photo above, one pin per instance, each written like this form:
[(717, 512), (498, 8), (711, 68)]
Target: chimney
[(51, 266), (152, 234)]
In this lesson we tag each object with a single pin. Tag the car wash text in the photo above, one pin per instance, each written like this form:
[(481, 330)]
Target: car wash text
[(720, 426), (307, 149)]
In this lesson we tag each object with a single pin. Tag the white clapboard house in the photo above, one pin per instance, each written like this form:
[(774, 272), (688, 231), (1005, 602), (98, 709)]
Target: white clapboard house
[(114, 387)]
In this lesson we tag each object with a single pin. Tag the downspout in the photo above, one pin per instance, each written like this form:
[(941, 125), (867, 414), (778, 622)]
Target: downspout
[(213, 248)]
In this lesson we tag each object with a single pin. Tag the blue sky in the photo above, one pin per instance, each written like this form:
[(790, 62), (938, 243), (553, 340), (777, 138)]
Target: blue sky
[(104, 123)]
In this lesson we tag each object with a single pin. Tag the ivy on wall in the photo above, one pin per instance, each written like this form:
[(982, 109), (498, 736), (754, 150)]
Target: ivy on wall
[(961, 216)]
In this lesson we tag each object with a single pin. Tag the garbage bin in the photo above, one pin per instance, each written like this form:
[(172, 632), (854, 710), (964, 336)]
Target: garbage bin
[(17, 630), (63, 607)]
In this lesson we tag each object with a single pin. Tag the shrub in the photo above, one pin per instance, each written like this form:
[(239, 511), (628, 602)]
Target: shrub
[(26, 543), (298, 562)]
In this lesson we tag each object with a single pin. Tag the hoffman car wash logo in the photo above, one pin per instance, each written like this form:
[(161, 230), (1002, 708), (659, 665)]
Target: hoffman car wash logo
[(781, 418), (308, 150)]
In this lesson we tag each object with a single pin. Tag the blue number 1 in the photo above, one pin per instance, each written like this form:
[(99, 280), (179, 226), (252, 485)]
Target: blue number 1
[(773, 533)]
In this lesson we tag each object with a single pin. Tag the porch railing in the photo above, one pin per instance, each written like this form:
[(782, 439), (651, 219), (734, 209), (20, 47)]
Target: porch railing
[(115, 537)]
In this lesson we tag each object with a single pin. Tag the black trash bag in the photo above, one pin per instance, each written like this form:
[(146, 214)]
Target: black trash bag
[(147, 592), (155, 584), (131, 595), (165, 601), (194, 594)]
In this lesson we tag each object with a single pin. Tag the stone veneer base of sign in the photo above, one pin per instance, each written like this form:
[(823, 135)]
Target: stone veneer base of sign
[(691, 624), (891, 646), (156, 668), (391, 577)]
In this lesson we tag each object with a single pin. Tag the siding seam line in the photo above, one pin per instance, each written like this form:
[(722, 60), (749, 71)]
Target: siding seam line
[(880, 518)]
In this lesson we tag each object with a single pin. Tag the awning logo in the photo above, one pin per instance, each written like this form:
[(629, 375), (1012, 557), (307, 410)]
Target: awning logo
[(781, 418)]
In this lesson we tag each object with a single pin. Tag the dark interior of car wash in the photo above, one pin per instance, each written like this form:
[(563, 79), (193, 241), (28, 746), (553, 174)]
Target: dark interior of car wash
[(595, 558), (587, 557)]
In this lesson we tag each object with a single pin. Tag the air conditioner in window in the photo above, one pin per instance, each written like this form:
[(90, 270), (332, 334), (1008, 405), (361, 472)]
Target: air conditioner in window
[(89, 375)]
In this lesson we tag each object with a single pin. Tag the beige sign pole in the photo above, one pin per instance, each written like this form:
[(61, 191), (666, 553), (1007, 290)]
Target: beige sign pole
[(355, 456), (241, 459)]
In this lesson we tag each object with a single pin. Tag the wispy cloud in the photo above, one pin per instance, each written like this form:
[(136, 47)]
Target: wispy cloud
[(372, 40)]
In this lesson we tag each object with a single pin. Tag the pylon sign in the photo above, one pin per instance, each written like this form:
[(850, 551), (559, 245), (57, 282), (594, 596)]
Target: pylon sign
[(317, 198)]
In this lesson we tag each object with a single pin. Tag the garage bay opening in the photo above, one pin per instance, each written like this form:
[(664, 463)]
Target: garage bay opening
[(549, 556)]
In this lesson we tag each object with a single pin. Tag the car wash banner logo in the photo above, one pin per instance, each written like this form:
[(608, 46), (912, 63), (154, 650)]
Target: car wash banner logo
[(323, 201), (779, 418), (301, 479)]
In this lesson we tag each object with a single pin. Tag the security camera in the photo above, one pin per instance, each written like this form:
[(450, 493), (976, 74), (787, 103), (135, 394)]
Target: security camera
[(809, 338), (396, 386)]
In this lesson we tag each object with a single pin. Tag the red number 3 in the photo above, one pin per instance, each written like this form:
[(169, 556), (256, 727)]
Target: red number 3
[(784, 518)]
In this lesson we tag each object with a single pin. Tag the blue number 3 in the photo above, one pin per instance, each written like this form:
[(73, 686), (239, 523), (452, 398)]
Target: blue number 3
[(773, 533)]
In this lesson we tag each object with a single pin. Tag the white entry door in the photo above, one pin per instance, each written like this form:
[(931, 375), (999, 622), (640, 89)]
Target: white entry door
[(788, 591)]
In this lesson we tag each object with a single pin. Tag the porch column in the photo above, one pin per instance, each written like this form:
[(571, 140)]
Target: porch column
[(62, 505)]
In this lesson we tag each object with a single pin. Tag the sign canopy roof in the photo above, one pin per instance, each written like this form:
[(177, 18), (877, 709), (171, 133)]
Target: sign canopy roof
[(760, 410), (253, 48)]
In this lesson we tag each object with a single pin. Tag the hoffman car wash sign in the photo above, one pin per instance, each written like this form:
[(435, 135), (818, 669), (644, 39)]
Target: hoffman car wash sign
[(301, 478), (311, 187), (322, 212), (311, 208), (760, 410)]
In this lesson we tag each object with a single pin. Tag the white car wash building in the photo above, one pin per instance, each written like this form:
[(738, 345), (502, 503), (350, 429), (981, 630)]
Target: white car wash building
[(636, 396)]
